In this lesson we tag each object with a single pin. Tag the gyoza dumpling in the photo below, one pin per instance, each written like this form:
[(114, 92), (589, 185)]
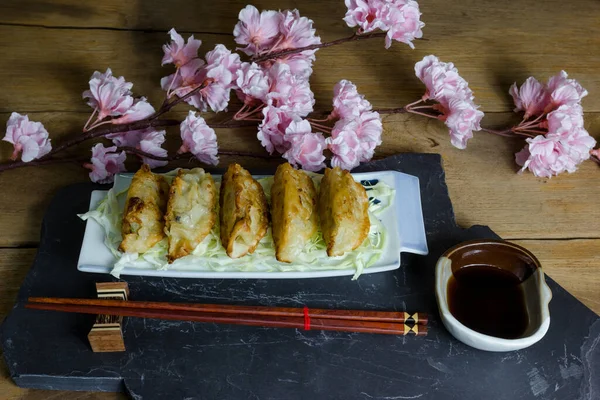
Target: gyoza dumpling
[(343, 211), (243, 214), (191, 211), (293, 211), (143, 218)]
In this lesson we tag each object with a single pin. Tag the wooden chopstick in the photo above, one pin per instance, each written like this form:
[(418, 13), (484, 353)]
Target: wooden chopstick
[(356, 315), (228, 318)]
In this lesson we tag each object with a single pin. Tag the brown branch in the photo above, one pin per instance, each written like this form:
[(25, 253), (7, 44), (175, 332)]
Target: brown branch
[(34, 163), (284, 53), (399, 110)]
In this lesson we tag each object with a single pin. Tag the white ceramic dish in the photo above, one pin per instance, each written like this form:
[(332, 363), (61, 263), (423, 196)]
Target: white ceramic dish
[(403, 222), (537, 297)]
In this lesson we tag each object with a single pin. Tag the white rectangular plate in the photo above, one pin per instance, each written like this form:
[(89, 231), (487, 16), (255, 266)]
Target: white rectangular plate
[(403, 222)]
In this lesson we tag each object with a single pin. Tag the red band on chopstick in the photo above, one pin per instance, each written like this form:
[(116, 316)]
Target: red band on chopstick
[(306, 319)]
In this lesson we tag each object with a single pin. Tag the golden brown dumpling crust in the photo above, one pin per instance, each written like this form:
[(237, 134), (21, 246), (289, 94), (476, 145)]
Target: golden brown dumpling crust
[(191, 211), (343, 211), (243, 212), (293, 211), (143, 218)]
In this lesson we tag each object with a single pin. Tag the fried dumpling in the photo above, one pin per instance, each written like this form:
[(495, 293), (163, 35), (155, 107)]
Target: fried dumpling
[(143, 218), (243, 212), (343, 211), (191, 211), (293, 211)]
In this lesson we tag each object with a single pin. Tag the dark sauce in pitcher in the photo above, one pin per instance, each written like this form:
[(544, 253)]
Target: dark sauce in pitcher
[(488, 300)]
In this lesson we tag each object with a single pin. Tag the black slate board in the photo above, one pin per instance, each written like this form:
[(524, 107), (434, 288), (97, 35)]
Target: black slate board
[(181, 360)]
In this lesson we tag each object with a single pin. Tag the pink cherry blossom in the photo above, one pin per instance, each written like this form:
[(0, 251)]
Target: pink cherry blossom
[(199, 139), (151, 141), (290, 91), (404, 21), (346, 149), (185, 79), (531, 97), (105, 163), (147, 140), (565, 117), (256, 31), (178, 52), (140, 109), (366, 14), (400, 18), (220, 71), (577, 142), (368, 130), (222, 57), (544, 157), (297, 31), (556, 152), (306, 148), (565, 91), (462, 119), (28, 137), (109, 95), (442, 80), (272, 130), (347, 102), (252, 82)]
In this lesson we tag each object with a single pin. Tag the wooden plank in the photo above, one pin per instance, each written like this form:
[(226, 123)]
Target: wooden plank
[(36, 76), (574, 264), (482, 180)]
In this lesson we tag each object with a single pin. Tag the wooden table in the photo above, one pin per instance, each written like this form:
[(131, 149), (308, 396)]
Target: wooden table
[(50, 48)]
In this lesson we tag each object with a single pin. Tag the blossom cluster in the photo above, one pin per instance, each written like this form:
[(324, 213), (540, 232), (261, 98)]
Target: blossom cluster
[(274, 91), (556, 107), (444, 85), (110, 96), (358, 129), (269, 32), (401, 19)]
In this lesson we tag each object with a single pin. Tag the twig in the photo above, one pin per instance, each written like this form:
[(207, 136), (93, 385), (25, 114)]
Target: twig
[(284, 53), (399, 110), (19, 164)]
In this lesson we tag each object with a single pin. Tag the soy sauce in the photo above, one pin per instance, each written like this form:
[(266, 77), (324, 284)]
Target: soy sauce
[(488, 300)]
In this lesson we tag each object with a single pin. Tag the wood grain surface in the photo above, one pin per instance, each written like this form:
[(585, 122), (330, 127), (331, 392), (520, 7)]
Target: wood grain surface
[(50, 49)]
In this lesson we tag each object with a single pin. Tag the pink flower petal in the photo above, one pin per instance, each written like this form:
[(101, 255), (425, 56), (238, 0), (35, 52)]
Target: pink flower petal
[(105, 163), (272, 130), (199, 139), (256, 31), (110, 95), (347, 102), (28, 137), (306, 148), (140, 109), (531, 97), (179, 53)]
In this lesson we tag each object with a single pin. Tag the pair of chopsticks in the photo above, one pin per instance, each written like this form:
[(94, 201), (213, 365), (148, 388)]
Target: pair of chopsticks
[(387, 322)]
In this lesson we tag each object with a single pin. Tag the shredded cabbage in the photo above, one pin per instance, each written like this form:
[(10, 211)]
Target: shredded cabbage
[(210, 254)]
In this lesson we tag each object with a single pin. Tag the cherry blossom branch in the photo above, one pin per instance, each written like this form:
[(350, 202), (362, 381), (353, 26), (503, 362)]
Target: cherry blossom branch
[(97, 133), (352, 38), (18, 164)]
